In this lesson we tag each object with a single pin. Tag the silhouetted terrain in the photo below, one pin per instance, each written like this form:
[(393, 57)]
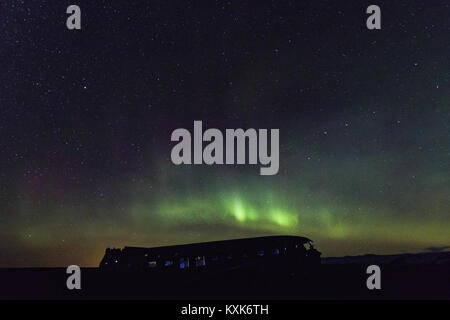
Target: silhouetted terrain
[(406, 276), (425, 258)]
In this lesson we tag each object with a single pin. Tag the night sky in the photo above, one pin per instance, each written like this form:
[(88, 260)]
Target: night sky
[(86, 118)]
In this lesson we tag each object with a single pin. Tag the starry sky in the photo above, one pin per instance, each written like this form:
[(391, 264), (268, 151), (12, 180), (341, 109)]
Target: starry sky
[(86, 118)]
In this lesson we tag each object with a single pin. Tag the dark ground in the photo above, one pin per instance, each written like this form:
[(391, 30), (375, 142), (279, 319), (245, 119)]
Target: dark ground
[(420, 276)]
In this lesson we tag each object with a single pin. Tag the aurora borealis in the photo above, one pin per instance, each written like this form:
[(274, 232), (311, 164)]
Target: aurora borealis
[(86, 118)]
